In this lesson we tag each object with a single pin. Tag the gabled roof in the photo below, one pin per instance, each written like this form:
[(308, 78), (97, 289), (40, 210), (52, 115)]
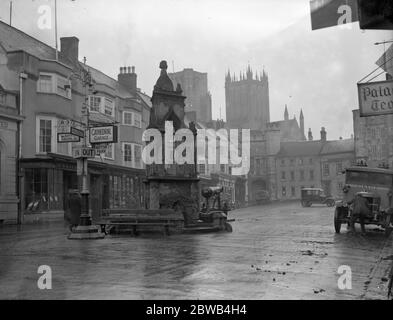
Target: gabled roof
[(338, 146)]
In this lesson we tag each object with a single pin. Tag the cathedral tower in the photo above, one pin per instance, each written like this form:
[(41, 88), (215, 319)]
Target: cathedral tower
[(247, 100)]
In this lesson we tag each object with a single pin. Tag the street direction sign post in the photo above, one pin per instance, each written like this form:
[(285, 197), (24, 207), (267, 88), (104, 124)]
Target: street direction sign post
[(67, 137), (77, 132), (84, 152), (375, 98)]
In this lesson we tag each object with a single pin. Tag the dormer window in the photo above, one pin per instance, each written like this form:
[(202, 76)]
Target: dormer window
[(102, 104)]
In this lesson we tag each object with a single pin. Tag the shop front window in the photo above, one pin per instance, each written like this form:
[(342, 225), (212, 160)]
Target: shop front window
[(43, 189), (36, 189)]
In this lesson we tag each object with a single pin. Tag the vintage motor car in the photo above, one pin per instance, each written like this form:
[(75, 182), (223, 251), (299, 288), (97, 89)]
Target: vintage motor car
[(315, 195), (374, 184)]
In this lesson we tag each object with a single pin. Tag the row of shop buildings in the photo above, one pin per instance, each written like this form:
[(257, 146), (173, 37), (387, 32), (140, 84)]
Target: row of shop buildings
[(39, 91)]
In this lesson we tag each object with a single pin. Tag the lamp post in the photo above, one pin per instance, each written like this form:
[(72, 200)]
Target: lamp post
[(85, 229)]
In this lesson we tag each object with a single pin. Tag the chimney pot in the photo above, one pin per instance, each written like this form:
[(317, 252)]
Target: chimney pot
[(128, 79), (133, 69), (310, 137), (323, 134)]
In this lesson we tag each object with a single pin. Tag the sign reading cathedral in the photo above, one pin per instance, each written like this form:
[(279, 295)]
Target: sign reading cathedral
[(375, 98)]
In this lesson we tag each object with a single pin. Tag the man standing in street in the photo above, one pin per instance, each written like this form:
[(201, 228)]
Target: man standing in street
[(360, 210)]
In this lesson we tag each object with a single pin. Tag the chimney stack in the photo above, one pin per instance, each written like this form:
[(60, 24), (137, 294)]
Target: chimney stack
[(69, 48), (323, 134), (127, 77)]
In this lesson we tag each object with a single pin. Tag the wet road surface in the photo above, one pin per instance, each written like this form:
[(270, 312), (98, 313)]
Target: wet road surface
[(278, 251)]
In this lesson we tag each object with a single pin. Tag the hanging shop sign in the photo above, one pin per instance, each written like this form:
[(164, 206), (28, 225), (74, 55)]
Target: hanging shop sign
[(375, 98), (105, 134), (101, 148)]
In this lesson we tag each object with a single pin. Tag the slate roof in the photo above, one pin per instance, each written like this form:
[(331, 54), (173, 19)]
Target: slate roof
[(338, 146), (315, 148), (300, 148), (12, 39)]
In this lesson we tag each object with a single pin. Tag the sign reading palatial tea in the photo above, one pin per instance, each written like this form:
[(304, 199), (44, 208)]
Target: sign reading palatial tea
[(375, 98)]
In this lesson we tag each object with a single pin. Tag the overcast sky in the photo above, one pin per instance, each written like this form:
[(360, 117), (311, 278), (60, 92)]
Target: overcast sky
[(313, 70)]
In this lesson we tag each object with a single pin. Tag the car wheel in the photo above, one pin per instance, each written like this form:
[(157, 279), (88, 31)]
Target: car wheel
[(309, 204), (228, 227), (337, 221)]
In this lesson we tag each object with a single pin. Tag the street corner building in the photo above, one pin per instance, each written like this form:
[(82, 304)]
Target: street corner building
[(39, 90)]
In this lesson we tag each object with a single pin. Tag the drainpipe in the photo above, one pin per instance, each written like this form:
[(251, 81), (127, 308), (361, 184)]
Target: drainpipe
[(22, 76)]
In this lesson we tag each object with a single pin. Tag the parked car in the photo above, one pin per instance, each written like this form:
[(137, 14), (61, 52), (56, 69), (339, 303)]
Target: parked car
[(315, 195)]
